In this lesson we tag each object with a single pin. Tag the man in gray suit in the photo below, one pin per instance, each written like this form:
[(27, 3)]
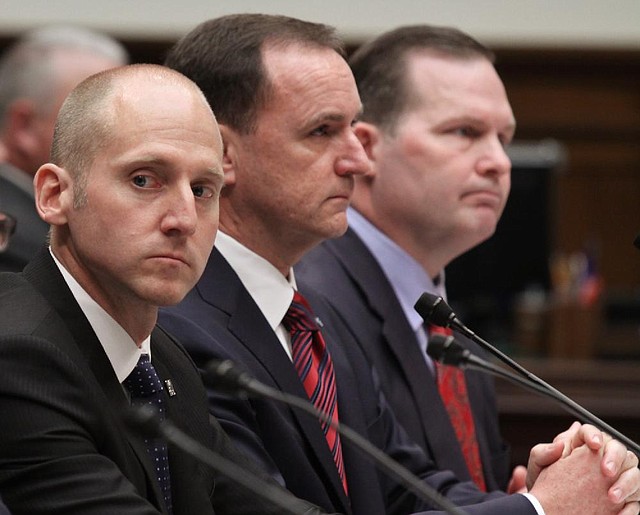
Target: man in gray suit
[(36, 74)]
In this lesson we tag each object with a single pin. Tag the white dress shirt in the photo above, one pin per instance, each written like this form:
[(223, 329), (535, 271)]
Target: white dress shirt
[(270, 290), (122, 351)]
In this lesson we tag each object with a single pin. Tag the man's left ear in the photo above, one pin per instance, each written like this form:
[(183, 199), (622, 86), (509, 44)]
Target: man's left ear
[(54, 193), (229, 138), (369, 136)]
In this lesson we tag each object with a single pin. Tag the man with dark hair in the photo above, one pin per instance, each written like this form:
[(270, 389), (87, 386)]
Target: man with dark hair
[(436, 121), (290, 158), (132, 197)]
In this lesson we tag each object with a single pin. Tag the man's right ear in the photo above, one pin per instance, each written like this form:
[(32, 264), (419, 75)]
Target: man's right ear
[(229, 156), (54, 193)]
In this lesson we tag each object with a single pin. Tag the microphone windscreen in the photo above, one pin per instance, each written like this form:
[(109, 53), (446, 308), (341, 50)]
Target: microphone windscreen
[(636, 242), (144, 420), (437, 346), (225, 376), (446, 350), (434, 310)]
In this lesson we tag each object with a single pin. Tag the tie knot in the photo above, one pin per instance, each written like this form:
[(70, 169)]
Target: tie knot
[(299, 316), (143, 381)]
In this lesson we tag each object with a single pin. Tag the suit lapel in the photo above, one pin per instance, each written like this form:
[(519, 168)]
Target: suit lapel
[(46, 278), (221, 287), (366, 273)]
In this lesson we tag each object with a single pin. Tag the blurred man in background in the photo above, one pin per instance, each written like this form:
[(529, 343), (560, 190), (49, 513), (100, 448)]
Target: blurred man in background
[(36, 74)]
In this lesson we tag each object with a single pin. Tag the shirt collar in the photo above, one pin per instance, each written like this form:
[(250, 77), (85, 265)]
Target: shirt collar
[(121, 350), (270, 290), (407, 277)]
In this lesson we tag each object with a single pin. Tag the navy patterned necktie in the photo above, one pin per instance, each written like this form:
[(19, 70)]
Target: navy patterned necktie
[(315, 368), (145, 387)]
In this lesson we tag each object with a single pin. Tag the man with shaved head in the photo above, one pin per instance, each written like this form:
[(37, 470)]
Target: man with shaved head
[(131, 194)]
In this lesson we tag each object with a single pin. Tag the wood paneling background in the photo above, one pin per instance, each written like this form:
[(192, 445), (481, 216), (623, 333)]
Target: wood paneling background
[(590, 101)]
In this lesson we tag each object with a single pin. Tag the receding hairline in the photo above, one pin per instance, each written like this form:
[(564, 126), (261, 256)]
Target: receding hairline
[(103, 86), (92, 107), (381, 66)]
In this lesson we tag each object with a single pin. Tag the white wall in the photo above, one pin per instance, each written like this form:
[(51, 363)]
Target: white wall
[(613, 23)]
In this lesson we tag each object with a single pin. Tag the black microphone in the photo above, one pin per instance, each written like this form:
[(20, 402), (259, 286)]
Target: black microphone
[(636, 242), (225, 376), (448, 351), (434, 310), (145, 421)]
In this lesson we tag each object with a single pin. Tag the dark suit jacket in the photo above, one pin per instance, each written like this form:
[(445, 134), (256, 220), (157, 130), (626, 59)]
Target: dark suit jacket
[(31, 231), (64, 447), (345, 272), (220, 320)]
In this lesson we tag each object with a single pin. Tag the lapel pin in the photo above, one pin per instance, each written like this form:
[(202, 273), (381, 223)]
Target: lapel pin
[(170, 389)]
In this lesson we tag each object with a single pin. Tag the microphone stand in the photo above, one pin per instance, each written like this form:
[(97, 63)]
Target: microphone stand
[(225, 374), (464, 358), (145, 419)]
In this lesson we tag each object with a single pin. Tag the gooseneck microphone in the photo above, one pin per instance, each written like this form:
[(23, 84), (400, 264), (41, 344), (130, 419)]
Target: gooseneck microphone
[(434, 310), (146, 421), (225, 376)]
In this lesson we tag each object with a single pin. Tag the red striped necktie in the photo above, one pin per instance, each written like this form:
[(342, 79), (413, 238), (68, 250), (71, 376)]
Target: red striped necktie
[(453, 390), (315, 368)]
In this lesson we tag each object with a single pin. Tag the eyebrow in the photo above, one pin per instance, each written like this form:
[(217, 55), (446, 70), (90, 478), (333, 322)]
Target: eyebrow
[(510, 127), (216, 172), (333, 117)]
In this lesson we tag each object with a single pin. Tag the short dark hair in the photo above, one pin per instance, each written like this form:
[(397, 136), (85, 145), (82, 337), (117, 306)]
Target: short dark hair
[(379, 66), (223, 56)]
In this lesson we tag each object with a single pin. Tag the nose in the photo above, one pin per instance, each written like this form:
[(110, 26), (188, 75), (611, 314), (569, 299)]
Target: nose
[(180, 216), (353, 159), (494, 159)]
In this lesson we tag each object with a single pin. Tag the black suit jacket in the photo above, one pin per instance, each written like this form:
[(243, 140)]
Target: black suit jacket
[(64, 447), (220, 320), (31, 231), (348, 276)]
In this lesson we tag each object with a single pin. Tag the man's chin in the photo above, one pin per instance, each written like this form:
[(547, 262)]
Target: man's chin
[(169, 295), (338, 227)]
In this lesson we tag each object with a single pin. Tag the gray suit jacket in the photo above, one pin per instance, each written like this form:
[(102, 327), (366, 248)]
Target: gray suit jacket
[(31, 231), (345, 272)]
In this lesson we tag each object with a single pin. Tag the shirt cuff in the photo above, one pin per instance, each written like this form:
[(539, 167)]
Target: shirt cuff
[(536, 504)]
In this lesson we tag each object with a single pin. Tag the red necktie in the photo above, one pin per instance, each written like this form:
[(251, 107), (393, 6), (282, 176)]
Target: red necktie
[(453, 390), (315, 368)]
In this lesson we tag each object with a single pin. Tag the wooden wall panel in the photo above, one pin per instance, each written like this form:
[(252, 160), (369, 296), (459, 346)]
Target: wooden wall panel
[(590, 101)]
